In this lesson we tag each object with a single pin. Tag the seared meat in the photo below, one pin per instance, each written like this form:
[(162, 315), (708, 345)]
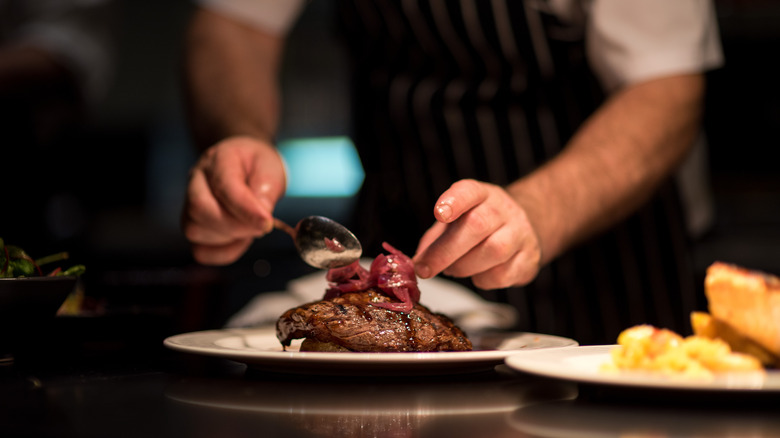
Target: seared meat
[(351, 321)]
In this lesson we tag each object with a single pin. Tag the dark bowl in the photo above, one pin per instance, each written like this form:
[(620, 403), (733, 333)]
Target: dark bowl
[(28, 306)]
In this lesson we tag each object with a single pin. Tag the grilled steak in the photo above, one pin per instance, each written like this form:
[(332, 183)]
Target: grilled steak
[(354, 321)]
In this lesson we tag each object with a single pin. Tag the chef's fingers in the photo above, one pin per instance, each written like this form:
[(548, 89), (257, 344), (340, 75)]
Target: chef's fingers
[(496, 249), (459, 237), (220, 254), (461, 197), (204, 221), (227, 179), (515, 238), (266, 195), (266, 178), (518, 271), (428, 237)]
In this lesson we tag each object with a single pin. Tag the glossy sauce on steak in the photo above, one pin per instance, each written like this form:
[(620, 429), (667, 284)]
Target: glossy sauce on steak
[(354, 321)]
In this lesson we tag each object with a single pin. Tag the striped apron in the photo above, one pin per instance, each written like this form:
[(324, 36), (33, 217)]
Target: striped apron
[(446, 90)]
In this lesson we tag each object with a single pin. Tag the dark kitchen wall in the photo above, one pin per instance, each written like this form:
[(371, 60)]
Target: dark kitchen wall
[(742, 123), (135, 156), (138, 140), (133, 159), (140, 130), (138, 137)]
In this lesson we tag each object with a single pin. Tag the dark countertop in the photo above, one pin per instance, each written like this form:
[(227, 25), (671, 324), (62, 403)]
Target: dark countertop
[(72, 387)]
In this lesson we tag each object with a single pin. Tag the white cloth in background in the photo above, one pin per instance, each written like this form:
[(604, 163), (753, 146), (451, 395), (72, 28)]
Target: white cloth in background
[(468, 310), (273, 16), (78, 31), (628, 41)]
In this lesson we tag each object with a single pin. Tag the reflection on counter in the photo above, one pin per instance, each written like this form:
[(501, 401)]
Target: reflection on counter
[(578, 419), (475, 405)]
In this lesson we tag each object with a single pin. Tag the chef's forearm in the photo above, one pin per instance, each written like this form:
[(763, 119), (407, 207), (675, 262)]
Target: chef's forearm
[(231, 79), (614, 163)]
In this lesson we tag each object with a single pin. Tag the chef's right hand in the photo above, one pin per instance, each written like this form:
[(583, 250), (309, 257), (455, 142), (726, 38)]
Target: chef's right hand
[(231, 194)]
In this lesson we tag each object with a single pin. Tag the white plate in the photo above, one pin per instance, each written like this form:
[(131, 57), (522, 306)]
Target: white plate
[(260, 348), (582, 363)]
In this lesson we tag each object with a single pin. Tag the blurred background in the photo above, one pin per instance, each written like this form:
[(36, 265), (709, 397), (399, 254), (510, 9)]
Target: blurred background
[(112, 190)]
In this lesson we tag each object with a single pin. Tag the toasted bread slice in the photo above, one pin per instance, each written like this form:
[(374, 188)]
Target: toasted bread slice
[(706, 326), (746, 301)]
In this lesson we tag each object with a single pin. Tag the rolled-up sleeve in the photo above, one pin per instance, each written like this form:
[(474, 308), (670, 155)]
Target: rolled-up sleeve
[(630, 41), (273, 16)]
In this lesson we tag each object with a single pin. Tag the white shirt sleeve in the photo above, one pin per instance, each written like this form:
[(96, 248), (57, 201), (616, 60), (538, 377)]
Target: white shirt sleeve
[(273, 16), (630, 41)]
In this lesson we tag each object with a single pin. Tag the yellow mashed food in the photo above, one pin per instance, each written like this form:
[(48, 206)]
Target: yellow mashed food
[(661, 351)]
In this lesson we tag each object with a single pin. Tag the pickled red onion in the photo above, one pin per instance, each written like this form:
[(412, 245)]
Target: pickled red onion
[(392, 274)]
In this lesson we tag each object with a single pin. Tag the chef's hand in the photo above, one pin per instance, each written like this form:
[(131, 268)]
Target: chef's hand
[(481, 232), (232, 191)]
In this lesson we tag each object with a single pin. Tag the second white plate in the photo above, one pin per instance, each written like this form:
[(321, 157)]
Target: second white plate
[(582, 363)]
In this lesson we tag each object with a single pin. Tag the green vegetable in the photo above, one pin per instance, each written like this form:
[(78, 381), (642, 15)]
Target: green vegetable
[(15, 262)]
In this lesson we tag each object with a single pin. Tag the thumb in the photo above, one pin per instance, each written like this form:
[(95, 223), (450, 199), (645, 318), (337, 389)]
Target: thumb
[(268, 183)]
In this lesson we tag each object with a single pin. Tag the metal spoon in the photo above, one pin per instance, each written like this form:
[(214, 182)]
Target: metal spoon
[(322, 242)]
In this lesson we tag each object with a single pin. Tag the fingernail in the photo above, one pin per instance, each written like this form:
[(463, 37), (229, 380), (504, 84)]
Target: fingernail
[(263, 190), (423, 271), (264, 225), (444, 211)]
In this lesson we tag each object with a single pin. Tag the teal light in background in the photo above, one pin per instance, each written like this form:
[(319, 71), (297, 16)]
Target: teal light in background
[(321, 167)]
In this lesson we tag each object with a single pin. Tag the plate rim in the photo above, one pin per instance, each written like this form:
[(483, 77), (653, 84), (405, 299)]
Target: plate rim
[(183, 343), (529, 362)]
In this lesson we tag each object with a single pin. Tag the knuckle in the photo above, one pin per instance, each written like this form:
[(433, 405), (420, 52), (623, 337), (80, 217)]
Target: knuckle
[(523, 279), (471, 188), (193, 214), (190, 232), (455, 270), (503, 279), (197, 202), (466, 184), (478, 222), (201, 255), (485, 281), (499, 277), (498, 249), (526, 275)]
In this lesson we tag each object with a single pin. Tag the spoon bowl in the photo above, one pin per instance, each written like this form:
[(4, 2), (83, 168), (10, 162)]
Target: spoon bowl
[(323, 243)]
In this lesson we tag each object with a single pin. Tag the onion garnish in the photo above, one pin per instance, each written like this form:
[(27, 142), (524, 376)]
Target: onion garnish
[(392, 274)]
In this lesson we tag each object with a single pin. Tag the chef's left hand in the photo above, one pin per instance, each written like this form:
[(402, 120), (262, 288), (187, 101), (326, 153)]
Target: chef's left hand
[(480, 232)]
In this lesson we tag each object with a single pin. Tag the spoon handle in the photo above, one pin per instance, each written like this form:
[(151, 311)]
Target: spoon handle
[(281, 225)]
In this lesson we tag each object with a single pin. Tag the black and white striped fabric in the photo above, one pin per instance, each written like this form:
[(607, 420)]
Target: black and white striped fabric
[(489, 89)]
